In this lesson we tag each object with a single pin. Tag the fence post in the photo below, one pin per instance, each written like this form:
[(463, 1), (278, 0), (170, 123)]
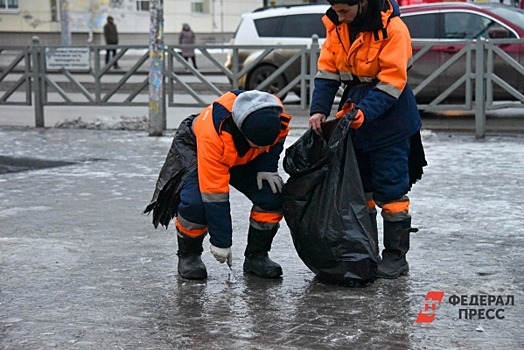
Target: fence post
[(480, 90), (313, 60), (36, 55), (157, 108)]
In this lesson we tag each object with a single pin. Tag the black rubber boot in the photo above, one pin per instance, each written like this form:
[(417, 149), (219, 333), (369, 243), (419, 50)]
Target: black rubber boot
[(257, 261), (190, 265), (396, 244)]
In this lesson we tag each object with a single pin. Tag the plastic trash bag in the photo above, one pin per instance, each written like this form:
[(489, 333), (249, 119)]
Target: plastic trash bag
[(180, 162), (325, 208)]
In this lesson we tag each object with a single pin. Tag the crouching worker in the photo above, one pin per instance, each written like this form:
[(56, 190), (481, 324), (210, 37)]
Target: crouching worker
[(236, 141)]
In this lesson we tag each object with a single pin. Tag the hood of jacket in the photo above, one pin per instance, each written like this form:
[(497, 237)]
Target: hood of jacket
[(378, 16)]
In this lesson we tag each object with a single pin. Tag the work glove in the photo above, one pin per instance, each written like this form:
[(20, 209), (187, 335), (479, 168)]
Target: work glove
[(357, 118), (347, 108), (354, 114), (273, 179), (222, 254)]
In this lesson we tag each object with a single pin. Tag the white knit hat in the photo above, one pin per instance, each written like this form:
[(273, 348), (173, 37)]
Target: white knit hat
[(251, 101)]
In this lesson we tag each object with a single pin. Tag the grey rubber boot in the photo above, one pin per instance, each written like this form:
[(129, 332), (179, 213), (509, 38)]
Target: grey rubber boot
[(190, 265), (396, 246), (257, 261)]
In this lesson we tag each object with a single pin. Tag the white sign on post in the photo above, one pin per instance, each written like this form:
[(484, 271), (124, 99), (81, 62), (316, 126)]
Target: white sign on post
[(70, 58)]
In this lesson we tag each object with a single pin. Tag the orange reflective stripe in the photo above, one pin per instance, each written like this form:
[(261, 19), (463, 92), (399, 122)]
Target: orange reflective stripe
[(273, 218), (191, 233), (396, 207)]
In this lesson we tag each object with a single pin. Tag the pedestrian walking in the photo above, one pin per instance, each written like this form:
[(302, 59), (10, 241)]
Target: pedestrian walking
[(368, 48), (187, 37), (111, 38), (237, 141)]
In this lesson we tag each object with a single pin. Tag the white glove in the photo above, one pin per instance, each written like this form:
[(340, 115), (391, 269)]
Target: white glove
[(222, 254), (273, 179)]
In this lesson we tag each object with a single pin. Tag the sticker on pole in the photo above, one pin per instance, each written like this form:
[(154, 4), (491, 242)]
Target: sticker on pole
[(69, 58)]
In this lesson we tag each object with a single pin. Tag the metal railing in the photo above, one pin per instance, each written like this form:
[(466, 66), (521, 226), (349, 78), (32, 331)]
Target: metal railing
[(26, 79)]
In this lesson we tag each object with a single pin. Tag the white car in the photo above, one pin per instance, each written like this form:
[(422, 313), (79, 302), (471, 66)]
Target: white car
[(285, 25)]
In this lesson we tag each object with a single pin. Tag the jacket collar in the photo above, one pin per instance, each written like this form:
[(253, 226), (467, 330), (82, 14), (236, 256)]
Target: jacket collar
[(390, 9)]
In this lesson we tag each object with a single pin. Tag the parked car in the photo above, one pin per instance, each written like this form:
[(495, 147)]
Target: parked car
[(449, 22), (446, 22), (284, 25)]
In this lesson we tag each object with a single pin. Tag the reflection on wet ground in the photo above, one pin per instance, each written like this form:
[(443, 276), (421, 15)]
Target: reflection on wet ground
[(82, 268)]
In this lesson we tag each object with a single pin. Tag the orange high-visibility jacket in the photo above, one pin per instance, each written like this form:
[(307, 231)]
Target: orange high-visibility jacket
[(380, 60), (217, 153), (382, 55)]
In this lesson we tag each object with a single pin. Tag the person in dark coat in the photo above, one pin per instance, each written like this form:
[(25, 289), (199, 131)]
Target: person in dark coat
[(111, 37), (187, 37)]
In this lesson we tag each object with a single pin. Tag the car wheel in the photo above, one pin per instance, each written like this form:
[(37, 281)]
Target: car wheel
[(260, 74)]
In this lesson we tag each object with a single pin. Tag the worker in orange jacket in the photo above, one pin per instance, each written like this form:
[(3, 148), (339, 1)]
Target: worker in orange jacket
[(368, 48), (237, 140)]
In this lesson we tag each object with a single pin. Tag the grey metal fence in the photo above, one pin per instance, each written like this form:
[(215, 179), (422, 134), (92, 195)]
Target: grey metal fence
[(34, 75)]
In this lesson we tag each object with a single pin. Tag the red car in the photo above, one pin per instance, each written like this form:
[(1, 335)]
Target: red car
[(452, 21)]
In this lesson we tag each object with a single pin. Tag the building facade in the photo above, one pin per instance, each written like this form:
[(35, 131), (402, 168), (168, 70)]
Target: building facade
[(214, 21)]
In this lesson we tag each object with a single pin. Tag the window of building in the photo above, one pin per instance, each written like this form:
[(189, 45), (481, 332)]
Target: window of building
[(8, 5), (142, 5), (54, 10), (200, 6)]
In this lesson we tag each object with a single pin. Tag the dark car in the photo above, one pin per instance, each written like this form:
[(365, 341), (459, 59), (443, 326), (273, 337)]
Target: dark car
[(451, 23)]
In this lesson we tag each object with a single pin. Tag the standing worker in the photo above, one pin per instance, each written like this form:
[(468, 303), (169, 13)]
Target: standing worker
[(368, 48), (237, 141), (187, 37), (111, 37)]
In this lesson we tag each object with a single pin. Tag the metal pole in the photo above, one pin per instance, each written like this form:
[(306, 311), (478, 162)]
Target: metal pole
[(157, 110), (65, 30), (91, 21), (36, 55), (313, 68), (480, 91)]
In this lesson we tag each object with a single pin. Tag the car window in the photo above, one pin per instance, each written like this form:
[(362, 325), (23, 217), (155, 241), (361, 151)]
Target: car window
[(422, 26), (510, 14), (462, 25), (268, 27), (294, 26), (303, 26)]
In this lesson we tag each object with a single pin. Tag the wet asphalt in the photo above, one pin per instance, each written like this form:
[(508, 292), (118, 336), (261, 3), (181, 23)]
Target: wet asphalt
[(82, 268)]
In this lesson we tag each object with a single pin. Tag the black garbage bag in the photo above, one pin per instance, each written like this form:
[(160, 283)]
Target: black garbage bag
[(180, 162), (325, 207)]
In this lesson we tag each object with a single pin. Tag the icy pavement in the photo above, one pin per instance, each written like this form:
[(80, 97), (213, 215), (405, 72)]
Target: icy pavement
[(82, 268)]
